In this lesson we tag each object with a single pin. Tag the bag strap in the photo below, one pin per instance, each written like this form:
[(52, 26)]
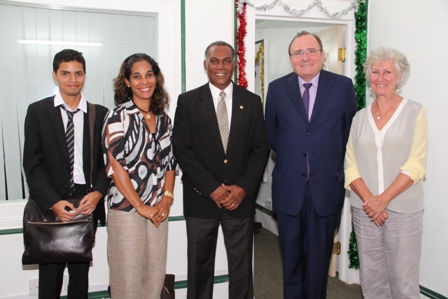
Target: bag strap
[(91, 126)]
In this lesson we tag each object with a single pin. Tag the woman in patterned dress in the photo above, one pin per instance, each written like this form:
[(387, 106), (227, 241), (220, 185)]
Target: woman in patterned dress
[(139, 159)]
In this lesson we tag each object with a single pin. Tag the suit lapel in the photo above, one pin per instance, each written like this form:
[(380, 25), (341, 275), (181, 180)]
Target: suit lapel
[(58, 127), (293, 91), (323, 92), (237, 114), (208, 111)]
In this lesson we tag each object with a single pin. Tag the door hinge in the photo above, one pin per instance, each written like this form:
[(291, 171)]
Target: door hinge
[(341, 54), (337, 248)]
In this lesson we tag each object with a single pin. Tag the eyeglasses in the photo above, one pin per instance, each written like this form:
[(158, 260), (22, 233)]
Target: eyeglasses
[(309, 52)]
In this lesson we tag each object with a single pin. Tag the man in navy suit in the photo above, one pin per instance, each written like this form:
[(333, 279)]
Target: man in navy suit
[(308, 118), (47, 163), (220, 177)]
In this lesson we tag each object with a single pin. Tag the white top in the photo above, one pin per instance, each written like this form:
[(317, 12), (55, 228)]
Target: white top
[(378, 156)]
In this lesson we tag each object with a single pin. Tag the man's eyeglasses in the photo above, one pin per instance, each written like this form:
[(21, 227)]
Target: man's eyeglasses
[(309, 52)]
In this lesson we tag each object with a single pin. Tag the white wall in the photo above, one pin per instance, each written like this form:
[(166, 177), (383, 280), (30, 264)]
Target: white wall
[(418, 29)]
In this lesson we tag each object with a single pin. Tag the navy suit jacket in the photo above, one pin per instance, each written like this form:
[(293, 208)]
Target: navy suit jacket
[(199, 151), (322, 140), (45, 157)]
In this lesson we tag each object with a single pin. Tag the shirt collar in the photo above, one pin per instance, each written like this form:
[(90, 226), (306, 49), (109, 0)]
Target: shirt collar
[(215, 90), (58, 101), (314, 81)]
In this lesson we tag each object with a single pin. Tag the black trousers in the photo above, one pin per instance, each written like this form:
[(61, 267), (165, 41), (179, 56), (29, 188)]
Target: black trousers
[(51, 278), (51, 275), (238, 239)]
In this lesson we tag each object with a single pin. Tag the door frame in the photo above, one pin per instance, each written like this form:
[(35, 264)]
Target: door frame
[(345, 274)]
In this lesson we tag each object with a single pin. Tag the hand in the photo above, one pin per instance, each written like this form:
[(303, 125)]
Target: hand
[(150, 213), (374, 207), (89, 202), (164, 208), (381, 218), (219, 195), (60, 210), (235, 197)]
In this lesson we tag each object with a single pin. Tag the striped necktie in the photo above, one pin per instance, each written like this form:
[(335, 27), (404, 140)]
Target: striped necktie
[(70, 137)]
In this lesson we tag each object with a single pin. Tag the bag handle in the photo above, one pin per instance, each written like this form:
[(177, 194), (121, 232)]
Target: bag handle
[(91, 127)]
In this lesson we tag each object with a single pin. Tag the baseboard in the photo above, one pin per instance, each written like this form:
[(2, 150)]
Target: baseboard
[(431, 294), (19, 230), (266, 211)]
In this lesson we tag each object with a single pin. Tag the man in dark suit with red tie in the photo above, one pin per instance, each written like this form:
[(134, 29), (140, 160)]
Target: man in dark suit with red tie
[(220, 142), (308, 118), (57, 164)]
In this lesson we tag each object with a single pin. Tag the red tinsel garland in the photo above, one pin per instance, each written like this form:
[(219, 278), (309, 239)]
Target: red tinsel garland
[(241, 34)]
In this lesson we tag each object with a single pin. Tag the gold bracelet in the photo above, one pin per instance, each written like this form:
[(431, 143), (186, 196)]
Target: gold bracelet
[(168, 194)]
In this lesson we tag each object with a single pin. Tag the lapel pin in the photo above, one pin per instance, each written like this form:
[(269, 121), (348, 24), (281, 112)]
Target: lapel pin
[(241, 107)]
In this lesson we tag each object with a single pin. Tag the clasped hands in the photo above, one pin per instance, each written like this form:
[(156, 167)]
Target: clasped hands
[(375, 208), (158, 213), (67, 211), (229, 197)]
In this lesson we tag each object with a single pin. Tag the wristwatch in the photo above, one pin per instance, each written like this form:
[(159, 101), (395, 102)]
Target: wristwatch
[(168, 194)]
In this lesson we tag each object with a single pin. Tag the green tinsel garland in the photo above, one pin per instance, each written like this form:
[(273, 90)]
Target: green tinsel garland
[(360, 52), (360, 91)]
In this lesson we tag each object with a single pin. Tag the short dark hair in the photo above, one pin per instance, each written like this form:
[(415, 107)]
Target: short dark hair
[(160, 98), (302, 33), (68, 55), (220, 43)]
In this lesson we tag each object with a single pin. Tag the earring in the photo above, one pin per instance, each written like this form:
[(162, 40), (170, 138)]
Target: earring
[(397, 88), (129, 86)]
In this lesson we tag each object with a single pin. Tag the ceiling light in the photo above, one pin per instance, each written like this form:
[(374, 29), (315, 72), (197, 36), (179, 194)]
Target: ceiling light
[(57, 43)]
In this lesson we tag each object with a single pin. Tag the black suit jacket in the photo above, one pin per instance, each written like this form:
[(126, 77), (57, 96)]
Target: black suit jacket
[(199, 151), (45, 158)]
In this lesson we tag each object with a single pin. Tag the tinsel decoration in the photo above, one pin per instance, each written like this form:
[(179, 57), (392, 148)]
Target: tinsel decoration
[(360, 52), (241, 31), (299, 13), (260, 58), (353, 251), (241, 49), (360, 91)]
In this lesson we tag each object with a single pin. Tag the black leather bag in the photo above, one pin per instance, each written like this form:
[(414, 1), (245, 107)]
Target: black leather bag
[(47, 239), (168, 287)]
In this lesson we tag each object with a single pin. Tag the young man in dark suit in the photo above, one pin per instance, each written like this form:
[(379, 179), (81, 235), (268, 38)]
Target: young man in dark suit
[(308, 118), (220, 143), (56, 171)]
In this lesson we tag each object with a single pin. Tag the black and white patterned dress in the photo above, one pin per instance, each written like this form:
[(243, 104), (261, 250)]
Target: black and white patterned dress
[(144, 155)]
